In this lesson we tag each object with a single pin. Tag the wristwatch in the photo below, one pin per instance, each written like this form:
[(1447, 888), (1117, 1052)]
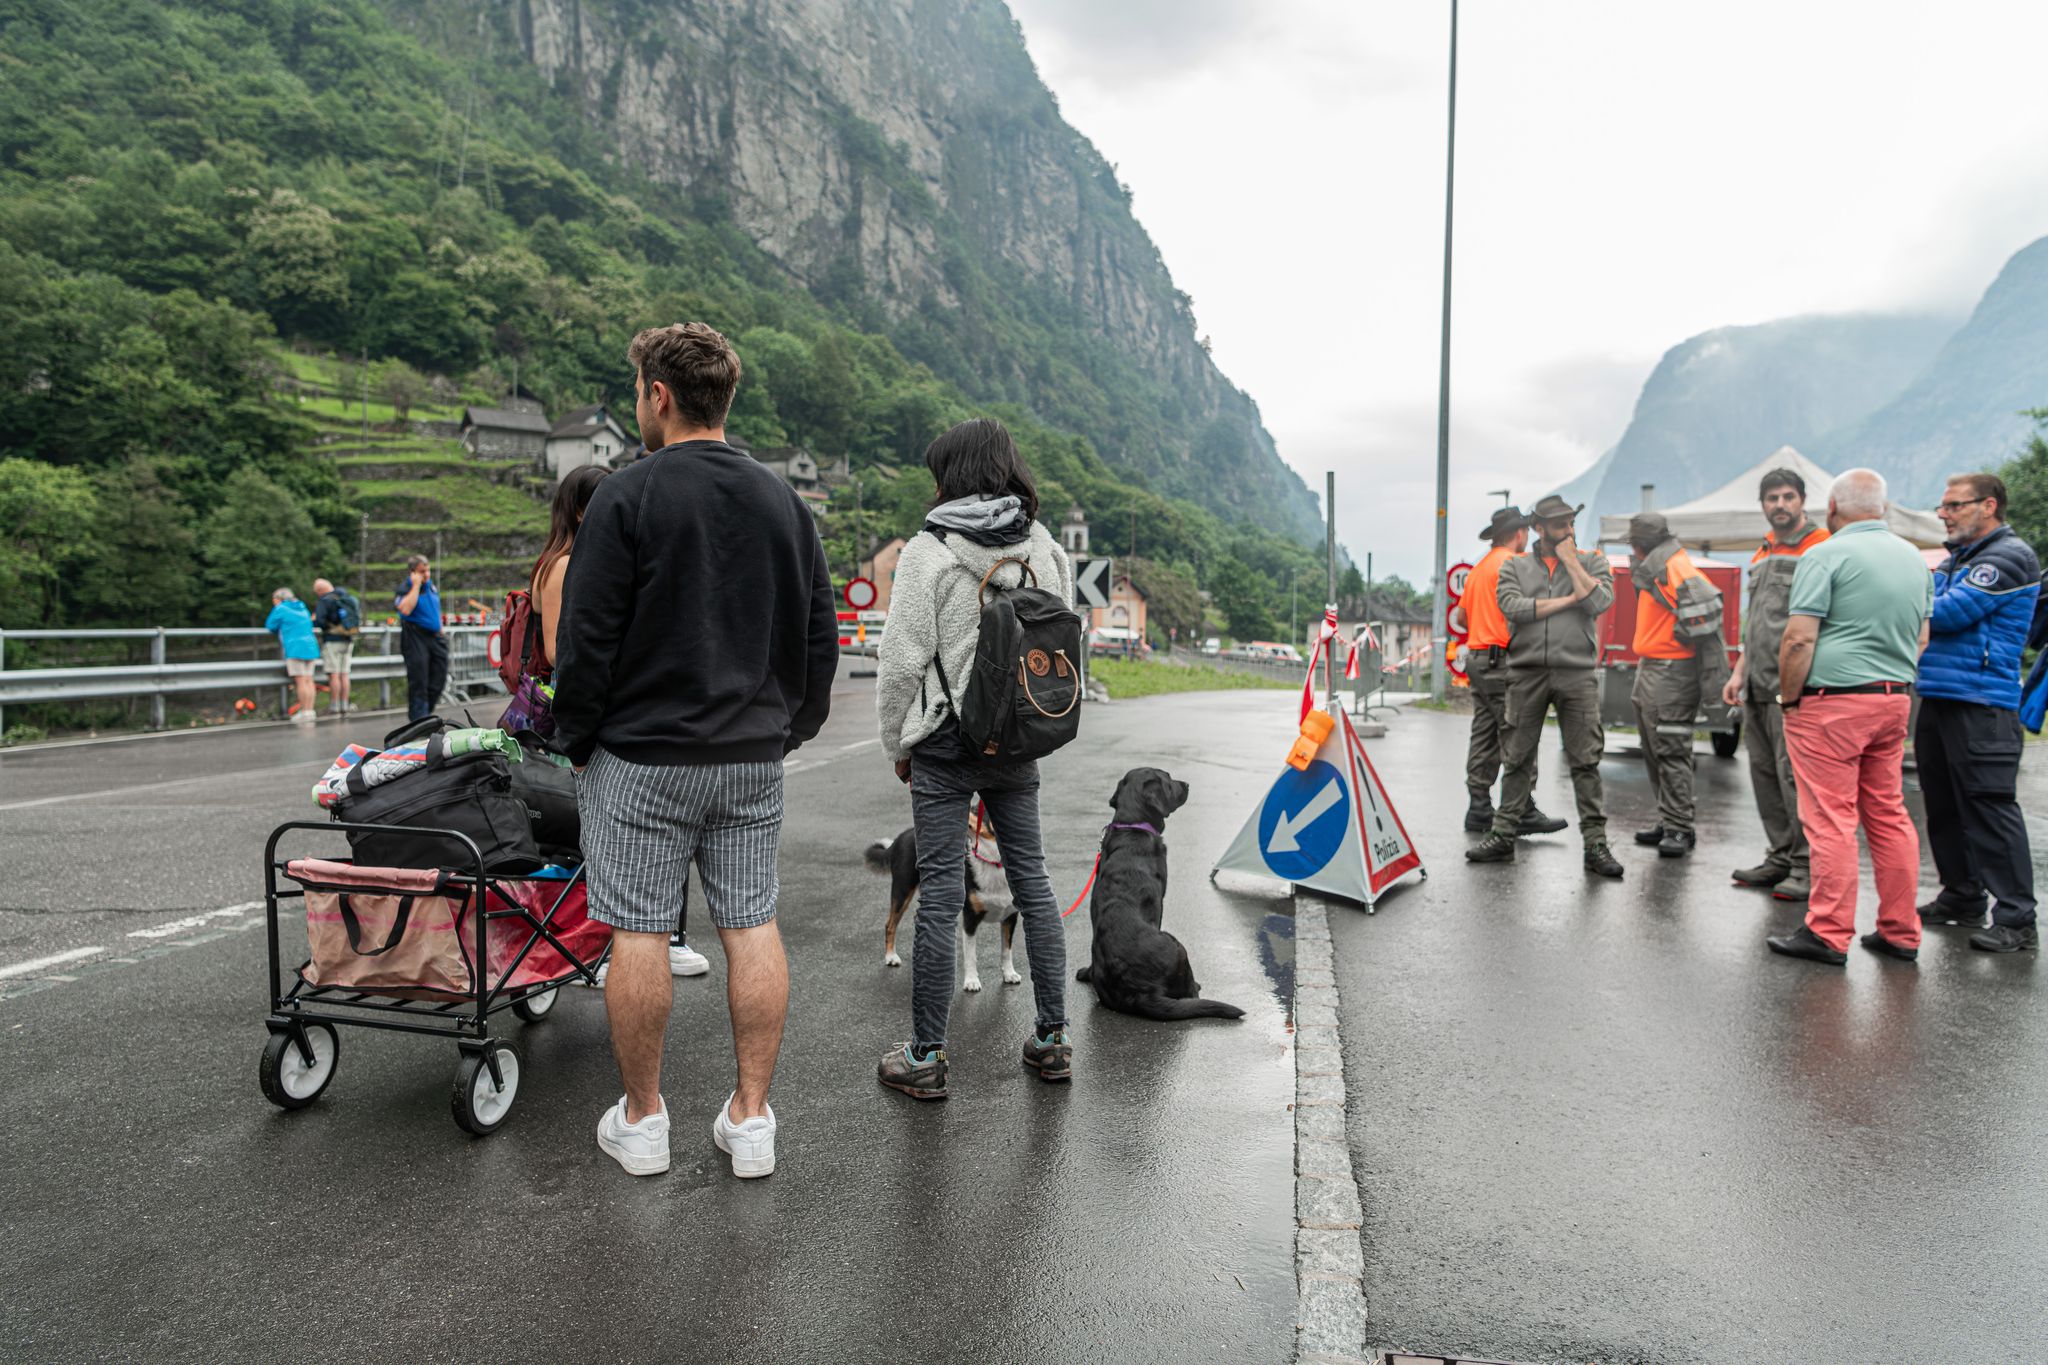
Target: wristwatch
[(1783, 704)]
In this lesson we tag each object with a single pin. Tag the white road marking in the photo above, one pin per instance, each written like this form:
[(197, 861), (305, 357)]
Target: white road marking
[(859, 744), (36, 964), (179, 926), (159, 786)]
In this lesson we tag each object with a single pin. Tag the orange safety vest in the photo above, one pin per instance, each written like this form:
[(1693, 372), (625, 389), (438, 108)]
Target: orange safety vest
[(1656, 625), (1771, 546), (1485, 627)]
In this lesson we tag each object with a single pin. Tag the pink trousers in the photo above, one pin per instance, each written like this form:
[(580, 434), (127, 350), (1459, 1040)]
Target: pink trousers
[(1846, 754)]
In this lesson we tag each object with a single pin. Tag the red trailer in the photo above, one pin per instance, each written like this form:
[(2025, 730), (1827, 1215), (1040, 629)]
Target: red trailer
[(1618, 657)]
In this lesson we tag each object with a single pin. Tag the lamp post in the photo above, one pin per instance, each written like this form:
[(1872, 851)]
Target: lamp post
[(1500, 493), (1437, 679)]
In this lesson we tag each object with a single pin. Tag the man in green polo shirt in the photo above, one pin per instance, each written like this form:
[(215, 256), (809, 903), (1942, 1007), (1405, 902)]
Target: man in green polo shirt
[(1859, 610)]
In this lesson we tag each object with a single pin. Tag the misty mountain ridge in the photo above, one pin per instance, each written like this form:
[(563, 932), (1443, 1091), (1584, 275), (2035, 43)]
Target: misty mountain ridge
[(1914, 396)]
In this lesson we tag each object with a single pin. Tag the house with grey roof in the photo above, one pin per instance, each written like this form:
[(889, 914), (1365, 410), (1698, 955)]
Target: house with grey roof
[(586, 436), (504, 434)]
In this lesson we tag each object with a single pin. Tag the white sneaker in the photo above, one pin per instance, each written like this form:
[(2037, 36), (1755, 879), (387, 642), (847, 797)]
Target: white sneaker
[(683, 960), (642, 1148), (751, 1145)]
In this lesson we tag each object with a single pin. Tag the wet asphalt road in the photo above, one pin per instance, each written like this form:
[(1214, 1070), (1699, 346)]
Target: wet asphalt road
[(1601, 1122), (158, 1208)]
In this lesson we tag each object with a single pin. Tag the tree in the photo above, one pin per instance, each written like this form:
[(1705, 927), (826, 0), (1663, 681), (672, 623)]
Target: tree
[(143, 566), (257, 540), (46, 515), (2026, 481), (1172, 601), (1241, 596), (400, 385), (295, 263)]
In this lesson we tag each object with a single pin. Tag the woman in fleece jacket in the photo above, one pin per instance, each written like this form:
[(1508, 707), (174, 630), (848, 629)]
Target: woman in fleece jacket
[(985, 511)]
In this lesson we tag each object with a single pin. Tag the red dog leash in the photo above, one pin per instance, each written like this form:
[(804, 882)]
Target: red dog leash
[(1098, 866)]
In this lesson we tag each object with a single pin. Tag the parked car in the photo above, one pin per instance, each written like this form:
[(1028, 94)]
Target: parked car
[(1212, 645)]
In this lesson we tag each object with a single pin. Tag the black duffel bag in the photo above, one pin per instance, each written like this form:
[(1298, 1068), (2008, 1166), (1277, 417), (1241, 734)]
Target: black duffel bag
[(469, 793), (546, 784)]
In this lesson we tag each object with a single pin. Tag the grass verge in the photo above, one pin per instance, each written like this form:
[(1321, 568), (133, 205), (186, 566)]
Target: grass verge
[(1127, 678)]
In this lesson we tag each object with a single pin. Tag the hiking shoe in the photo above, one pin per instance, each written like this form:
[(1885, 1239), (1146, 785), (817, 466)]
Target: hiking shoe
[(1052, 1056), (1676, 843), (751, 1145), (1763, 876), (1536, 822), (1803, 942), (1479, 818), (683, 960), (1793, 888), (1494, 848), (1878, 943), (2006, 938), (1941, 910), (921, 1078), (642, 1148), (1651, 837), (1600, 861)]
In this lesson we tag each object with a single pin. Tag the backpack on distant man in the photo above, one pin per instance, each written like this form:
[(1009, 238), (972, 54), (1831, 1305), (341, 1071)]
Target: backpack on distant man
[(344, 615), (1022, 700)]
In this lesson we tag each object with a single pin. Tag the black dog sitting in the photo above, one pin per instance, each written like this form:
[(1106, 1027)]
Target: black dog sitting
[(1137, 967)]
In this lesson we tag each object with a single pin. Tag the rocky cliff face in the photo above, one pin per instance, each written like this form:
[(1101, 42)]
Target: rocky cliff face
[(902, 154)]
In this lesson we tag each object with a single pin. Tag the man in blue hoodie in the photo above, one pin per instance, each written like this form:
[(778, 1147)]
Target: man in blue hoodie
[(1969, 736)]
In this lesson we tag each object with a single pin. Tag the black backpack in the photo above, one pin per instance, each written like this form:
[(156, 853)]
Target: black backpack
[(1022, 701)]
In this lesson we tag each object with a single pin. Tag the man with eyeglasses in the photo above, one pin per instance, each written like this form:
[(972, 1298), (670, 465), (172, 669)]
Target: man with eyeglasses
[(1968, 738)]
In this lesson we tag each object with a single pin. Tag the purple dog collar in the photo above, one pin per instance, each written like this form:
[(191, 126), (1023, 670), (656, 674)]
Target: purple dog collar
[(1146, 827)]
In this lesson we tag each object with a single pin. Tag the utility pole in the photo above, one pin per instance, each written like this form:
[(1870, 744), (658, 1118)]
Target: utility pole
[(1293, 622), (1437, 679), (363, 388), (363, 555)]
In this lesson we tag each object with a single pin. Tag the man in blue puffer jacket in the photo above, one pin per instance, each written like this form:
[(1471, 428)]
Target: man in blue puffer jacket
[(1969, 737)]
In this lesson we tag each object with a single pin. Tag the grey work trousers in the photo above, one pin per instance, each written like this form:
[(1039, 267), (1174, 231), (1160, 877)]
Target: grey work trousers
[(1575, 693), (1667, 702), (1777, 794), (1484, 756)]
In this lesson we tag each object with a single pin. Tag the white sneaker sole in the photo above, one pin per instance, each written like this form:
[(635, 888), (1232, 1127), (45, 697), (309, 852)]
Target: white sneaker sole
[(696, 966), (634, 1164), (745, 1167)]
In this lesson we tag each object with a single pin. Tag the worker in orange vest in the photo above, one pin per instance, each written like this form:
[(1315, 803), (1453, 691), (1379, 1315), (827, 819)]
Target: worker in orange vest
[(1487, 667), (1754, 685), (1677, 670)]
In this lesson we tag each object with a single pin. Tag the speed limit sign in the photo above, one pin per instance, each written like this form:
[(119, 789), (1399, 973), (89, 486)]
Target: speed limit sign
[(1455, 580)]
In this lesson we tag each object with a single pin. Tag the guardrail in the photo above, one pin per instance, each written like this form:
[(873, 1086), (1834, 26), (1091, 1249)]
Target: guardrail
[(468, 667)]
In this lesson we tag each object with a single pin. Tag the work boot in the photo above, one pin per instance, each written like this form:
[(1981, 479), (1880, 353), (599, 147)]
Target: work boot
[(1479, 818), (1600, 861), (1536, 822), (1494, 848), (2006, 938), (1803, 942), (1676, 843), (921, 1078), (1763, 876), (1942, 910), (1878, 943), (1051, 1056), (1793, 888), (1651, 837)]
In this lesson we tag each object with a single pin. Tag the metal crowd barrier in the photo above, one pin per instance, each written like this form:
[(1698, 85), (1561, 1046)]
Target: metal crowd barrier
[(468, 667)]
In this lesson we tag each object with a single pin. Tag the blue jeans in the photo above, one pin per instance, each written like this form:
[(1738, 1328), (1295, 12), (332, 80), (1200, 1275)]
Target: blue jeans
[(943, 785)]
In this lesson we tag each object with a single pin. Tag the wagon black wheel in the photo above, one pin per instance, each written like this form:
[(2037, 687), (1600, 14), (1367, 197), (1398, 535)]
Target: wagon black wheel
[(537, 1006), (1726, 742), (289, 1079), (479, 1102)]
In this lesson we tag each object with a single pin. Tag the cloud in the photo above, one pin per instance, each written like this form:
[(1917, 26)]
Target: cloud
[(1136, 39)]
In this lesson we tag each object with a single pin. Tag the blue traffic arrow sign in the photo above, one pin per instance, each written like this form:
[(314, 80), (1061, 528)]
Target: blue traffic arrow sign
[(1302, 824)]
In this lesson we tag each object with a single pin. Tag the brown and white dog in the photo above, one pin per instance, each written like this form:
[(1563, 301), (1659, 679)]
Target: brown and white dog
[(988, 893)]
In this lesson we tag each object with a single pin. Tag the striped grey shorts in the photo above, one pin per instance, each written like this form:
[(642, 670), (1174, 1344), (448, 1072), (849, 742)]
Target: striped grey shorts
[(644, 824)]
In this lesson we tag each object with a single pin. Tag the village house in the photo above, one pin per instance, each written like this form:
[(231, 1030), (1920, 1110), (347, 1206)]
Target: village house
[(799, 469), (512, 432), (586, 436), (879, 568)]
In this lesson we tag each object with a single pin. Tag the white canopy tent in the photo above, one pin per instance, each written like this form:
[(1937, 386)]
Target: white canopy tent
[(1728, 521)]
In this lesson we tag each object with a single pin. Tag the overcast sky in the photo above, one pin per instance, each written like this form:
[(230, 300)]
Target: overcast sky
[(1630, 173)]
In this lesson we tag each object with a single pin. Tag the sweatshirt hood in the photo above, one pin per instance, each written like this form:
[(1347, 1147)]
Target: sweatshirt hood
[(1035, 546)]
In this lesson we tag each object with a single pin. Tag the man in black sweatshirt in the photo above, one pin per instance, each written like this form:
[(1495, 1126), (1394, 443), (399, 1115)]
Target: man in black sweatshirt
[(697, 648)]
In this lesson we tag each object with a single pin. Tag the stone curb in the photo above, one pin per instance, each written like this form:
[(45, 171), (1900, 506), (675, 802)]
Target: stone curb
[(1329, 1255)]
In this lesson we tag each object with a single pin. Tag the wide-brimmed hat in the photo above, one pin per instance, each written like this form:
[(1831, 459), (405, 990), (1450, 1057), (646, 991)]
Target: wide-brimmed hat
[(1554, 508), (1648, 528), (1506, 521)]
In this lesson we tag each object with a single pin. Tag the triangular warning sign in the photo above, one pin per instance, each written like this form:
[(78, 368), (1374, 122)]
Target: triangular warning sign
[(1331, 828)]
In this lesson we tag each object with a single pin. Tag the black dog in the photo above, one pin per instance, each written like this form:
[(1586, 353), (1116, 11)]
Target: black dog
[(1137, 967)]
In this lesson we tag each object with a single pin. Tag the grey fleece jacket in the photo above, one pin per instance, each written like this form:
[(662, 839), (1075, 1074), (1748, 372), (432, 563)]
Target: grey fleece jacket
[(1567, 640), (935, 613)]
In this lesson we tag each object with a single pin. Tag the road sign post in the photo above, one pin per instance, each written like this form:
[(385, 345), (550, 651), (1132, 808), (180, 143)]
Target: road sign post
[(1092, 579)]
